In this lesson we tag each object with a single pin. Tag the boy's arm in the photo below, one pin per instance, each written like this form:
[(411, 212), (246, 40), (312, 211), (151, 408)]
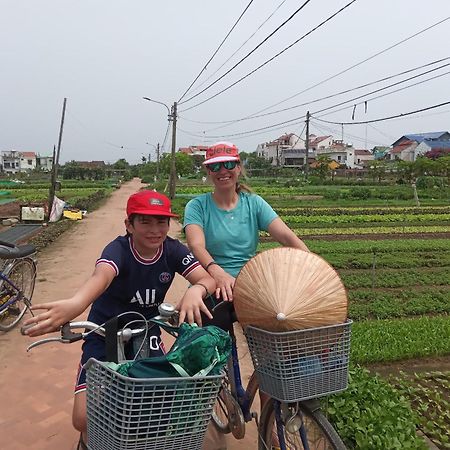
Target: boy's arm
[(192, 303), (55, 314)]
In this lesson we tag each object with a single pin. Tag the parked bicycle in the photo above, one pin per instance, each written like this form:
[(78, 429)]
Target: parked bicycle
[(140, 413), (17, 279), (294, 369)]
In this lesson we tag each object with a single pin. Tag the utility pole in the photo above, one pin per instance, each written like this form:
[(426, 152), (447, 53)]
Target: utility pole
[(307, 145), (173, 168), (157, 161), (56, 162)]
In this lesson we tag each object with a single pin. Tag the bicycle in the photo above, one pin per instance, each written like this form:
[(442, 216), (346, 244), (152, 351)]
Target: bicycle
[(17, 279), (293, 369), (139, 413)]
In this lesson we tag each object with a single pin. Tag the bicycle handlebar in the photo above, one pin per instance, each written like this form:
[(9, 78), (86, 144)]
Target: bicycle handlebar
[(166, 311)]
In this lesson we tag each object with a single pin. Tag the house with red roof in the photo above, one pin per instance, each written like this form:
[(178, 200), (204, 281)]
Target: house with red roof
[(410, 146)]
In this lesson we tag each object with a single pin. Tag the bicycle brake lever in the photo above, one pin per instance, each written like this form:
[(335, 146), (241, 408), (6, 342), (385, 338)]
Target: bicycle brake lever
[(46, 341), (67, 336)]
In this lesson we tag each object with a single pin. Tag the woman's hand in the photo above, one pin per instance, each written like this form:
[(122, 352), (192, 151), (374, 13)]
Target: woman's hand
[(224, 281), (191, 305), (54, 315)]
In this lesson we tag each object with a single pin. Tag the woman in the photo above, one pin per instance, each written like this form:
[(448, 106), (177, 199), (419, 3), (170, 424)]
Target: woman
[(222, 227)]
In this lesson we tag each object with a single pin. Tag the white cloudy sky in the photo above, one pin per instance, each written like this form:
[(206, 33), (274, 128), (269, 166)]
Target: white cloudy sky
[(105, 55)]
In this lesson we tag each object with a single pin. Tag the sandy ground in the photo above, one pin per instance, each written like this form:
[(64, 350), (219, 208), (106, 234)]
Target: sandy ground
[(36, 388)]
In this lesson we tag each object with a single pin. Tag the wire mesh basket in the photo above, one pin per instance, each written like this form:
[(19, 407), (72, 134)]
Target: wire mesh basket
[(147, 413), (298, 365)]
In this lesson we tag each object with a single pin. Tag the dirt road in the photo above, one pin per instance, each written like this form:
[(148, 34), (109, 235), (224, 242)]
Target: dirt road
[(37, 388)]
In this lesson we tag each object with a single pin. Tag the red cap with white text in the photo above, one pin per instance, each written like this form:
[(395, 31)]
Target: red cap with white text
[(149, 203)]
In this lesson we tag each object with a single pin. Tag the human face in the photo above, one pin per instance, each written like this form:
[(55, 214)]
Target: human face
[(148, 232), (224, 174)]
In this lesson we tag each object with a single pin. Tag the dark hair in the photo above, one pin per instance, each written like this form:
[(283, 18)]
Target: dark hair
[(133, 216)]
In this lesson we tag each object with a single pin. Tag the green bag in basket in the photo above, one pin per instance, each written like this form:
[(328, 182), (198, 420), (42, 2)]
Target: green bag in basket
[(196, 352)]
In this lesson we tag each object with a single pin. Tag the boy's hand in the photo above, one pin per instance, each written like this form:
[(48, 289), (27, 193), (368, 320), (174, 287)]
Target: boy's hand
[(54, 315), (192, 304)]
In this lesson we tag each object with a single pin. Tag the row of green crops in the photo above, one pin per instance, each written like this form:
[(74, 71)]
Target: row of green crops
[(370, 246), (375, 341), (429, 393), (349, 220), (370, 304), (68, 194), (310, 211)]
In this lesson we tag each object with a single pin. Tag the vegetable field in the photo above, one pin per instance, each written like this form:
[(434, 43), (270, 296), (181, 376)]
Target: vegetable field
[(394, 259)]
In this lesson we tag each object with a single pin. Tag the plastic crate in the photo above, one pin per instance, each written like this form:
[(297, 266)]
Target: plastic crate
[(298, 365), (147, 413)]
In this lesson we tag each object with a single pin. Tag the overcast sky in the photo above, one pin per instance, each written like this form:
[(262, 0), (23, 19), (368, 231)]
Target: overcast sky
[(105, 55)]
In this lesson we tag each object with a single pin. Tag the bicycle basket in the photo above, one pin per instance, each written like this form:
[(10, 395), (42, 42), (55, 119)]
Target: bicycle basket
[(298, 365), (147, 413)]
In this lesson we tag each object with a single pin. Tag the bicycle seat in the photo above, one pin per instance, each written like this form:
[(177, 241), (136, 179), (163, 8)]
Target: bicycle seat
[(223, 313), (12, 251)]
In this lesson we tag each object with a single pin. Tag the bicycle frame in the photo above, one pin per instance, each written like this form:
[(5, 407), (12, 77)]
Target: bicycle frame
[(245, 397), (18, 294)]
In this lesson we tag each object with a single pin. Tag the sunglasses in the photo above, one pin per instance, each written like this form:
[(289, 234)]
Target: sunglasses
[(215, 167)]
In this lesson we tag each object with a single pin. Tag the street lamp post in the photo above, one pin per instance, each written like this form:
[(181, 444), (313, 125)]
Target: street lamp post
[(172, 117)]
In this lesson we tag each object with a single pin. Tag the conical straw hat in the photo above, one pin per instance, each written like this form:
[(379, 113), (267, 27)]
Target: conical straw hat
[(289, 289)]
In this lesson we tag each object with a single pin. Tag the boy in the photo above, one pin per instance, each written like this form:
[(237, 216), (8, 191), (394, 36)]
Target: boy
[(133, 273)]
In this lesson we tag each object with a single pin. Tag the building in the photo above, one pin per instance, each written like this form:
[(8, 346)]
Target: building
[(194, 150), (10, 161), (362, 158), (14, 161), (44, 163), (287, 150), (410, 146)]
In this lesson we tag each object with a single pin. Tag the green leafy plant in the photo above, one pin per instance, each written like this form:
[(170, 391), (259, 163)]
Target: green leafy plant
[(371, 415)]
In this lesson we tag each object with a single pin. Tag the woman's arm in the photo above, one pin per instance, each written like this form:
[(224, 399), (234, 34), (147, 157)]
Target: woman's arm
[(285, 236), (59, 312), (196, 242)]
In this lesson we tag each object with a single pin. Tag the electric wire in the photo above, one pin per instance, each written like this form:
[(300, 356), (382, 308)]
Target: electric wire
[(163, 146), (249, 53), (354, 65), (334, 131), (349, 101), (242, 45), (381, 89), (385, 118), (380, 80), (218, 48)]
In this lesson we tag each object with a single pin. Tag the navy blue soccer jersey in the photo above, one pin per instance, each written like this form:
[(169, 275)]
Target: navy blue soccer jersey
[(140, 284)]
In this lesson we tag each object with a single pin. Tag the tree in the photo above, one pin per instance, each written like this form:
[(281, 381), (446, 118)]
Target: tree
[(323, 166), (184, 164), (378, 169), (121, 164)]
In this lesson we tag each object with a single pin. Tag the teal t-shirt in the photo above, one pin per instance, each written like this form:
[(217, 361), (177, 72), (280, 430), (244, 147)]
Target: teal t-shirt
[(231, 236)]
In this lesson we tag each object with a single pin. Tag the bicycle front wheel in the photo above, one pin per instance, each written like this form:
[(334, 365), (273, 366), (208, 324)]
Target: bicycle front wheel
[(319, 432), (22, 274)]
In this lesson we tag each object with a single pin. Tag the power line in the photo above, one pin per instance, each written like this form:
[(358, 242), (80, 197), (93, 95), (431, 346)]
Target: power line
[(385, 118), (218, 48), (165, 137), (354, 65), (242, 45), (386, 87), (336, 94), (334, 131), (295, 119), (249, 53)]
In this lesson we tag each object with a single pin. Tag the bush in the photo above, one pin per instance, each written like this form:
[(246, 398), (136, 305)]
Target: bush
[(370, 414)]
